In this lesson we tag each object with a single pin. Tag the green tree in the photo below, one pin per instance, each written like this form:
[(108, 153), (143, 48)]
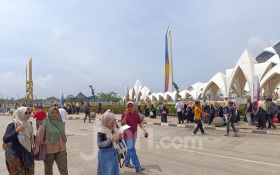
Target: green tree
[(110, 96), (177, 89)]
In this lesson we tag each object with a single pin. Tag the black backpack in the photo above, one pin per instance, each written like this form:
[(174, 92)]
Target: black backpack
[(273, 109)]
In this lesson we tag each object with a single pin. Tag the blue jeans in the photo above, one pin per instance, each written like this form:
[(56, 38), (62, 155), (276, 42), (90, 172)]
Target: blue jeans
[(131, 153), (198, 126)]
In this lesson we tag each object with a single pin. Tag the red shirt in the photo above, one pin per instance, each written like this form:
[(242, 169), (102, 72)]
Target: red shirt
[(40, 115), (133, 120)]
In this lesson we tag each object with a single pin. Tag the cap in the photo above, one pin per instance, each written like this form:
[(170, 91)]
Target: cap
[(130, 102)]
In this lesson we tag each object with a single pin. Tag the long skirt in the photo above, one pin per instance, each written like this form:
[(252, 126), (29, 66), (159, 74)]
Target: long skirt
[(164, 118), (108, 162), (17, 166)]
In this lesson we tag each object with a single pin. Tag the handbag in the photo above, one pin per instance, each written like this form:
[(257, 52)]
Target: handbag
[(275, 119), (121, 149), (4, 146), (42, 154)]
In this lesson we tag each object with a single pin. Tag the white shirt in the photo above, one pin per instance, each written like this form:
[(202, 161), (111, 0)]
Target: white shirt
[(63, 114), (179, 106)]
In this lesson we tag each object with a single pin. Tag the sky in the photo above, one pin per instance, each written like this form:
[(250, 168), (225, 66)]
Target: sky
[(110, 44)]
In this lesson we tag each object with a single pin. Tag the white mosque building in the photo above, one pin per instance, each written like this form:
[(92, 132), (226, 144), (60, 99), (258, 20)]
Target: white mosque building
[(256, 77)]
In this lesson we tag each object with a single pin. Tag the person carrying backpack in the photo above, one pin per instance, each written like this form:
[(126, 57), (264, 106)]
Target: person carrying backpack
[(270, 112)]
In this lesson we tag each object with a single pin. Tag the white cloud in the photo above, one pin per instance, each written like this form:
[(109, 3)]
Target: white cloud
[(74, 44), (48, 85), (56, 33), (46, 81), (12, 84)]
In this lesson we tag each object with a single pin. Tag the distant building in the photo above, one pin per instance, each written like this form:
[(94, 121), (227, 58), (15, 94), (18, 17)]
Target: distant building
[(256, 77), (81, 96), (270, 54)]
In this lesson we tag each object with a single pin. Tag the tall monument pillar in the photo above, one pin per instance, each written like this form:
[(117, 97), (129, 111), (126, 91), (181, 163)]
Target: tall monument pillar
[(29, 81), (168, 80)]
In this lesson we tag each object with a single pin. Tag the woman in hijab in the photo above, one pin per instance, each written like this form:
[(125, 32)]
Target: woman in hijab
[(106, 140), (19, 143), (52, 134)]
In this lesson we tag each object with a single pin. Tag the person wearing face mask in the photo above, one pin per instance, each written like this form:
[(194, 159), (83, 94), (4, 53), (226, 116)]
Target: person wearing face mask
[(52, 133), (107, 137), (18, 143)]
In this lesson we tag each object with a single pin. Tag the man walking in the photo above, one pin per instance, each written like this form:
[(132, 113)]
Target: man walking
[(131, 117), (87, 113), (231, 118), (179, 108)]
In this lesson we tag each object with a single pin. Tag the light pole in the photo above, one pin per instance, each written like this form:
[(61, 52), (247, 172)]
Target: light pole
[(92, 91)]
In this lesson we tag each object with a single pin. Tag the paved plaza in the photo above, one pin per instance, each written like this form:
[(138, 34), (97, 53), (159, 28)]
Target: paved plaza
[(172, 150)]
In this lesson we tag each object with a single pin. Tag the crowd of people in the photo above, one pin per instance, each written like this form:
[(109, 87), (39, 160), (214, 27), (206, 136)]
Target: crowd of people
[(73, 107), (257, 113), (4, 108), (49, 144), (22, 148)]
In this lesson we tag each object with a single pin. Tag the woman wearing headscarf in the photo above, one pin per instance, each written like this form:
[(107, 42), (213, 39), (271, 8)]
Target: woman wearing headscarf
[(19, 143), (164, 113), (260, 112), (52, 133), (106, 139)]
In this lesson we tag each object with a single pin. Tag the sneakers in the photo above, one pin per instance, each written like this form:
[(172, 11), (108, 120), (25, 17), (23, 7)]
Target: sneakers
[(140, 170), (129, 166), (226, 135)]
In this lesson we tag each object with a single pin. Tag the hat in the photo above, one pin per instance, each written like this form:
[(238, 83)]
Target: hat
[(130, 102)]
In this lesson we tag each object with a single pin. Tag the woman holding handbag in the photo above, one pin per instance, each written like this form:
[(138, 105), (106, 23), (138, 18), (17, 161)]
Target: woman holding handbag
[(52, 133), (18, 144)]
